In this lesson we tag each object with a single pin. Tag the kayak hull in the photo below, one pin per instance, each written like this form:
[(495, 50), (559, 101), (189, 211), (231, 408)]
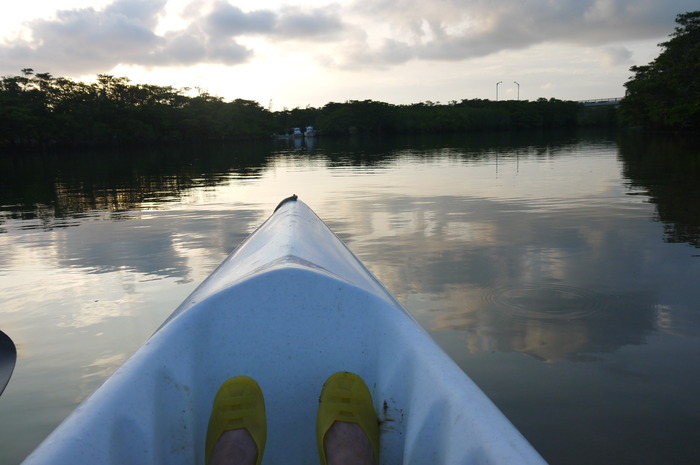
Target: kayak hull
[(289, 307)]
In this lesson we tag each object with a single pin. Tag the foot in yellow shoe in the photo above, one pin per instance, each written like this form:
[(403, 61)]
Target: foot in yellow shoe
[(345, 405), (237, 417)]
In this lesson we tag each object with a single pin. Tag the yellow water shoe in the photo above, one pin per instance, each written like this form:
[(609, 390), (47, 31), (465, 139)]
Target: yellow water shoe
[(345, 397), (238, 404)]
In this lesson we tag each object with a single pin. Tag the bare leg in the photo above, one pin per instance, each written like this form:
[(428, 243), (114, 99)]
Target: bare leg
[(347, 444), (234, 447)]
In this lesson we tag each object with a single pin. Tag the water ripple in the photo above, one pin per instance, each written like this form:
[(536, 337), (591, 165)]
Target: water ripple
[(548, 302)]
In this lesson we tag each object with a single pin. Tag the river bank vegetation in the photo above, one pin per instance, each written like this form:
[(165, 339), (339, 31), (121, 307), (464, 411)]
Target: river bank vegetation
[(665, 94), (39, 110)]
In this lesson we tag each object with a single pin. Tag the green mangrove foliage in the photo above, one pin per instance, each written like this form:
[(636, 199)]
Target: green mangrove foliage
[(665, 93), (39, 110), (373, 117)]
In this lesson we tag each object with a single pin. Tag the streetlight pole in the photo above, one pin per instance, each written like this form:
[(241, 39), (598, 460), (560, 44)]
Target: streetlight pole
[(516, 82), (499, 82)]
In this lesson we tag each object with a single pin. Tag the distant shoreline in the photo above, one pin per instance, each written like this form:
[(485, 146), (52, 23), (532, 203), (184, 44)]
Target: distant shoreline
[(40, 112)]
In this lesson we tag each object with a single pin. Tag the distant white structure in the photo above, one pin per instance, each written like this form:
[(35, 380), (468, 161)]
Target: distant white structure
[(602, 102), (296, 133)]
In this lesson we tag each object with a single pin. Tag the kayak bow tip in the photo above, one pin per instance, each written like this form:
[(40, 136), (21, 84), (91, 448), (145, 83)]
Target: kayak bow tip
[(292, 198)]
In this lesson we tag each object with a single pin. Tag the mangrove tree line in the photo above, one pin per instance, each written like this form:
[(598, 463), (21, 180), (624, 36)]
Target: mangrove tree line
[(665, 93), (39, 110)]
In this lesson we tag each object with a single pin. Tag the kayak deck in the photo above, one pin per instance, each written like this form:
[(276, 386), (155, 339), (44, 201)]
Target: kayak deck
[(289, 307)]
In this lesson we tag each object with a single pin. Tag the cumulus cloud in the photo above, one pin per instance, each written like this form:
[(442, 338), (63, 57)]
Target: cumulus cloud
[(463, 29), (289, 22), (378, 33), (322, 24), (228, 20), (87, 40)]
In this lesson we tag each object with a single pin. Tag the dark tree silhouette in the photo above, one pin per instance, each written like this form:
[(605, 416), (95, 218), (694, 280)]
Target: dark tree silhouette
[(666, 92)]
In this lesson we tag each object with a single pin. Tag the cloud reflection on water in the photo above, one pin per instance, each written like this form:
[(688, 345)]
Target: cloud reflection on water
[(513, 279), (520, 229)]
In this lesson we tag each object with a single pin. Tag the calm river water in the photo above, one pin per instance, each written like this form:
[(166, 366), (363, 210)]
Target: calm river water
[(559, 271)]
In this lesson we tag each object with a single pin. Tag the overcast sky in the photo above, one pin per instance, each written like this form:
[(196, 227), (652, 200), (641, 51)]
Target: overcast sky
[(315, 52)]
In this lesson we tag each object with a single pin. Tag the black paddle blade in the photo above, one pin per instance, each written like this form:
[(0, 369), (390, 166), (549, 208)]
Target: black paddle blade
[(8, 357)]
